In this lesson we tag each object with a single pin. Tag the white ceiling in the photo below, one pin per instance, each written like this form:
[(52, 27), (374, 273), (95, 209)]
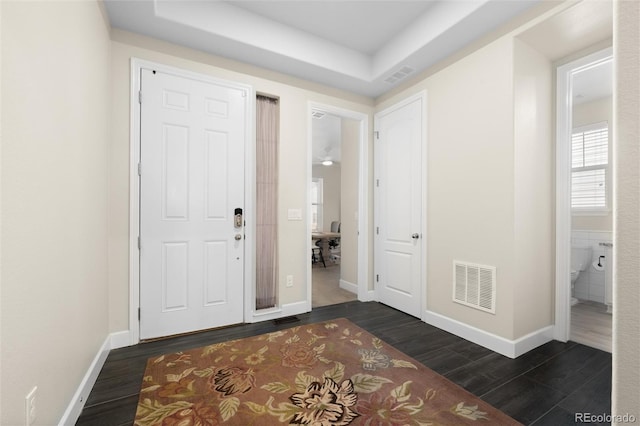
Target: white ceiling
[(327, 139), (356, 45), (343, 22), (350, 45), (593, 83)]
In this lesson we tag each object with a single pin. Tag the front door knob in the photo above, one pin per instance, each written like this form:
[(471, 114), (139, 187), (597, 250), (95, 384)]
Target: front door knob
[(415, 236)]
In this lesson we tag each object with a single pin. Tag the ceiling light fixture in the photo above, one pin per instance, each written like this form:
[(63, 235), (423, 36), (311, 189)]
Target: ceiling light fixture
[(327, 162)]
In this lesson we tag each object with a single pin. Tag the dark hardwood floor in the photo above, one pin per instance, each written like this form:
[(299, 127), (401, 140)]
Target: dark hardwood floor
[(546, 386)]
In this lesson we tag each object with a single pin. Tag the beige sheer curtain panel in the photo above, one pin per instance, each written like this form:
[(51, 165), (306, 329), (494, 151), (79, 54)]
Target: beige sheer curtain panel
[(266, 202)]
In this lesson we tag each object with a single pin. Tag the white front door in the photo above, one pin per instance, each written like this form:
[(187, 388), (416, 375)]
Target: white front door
[(191, 182), (399, 206)]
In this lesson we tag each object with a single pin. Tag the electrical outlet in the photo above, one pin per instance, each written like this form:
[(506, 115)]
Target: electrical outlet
[(30, 407), (289, 280)]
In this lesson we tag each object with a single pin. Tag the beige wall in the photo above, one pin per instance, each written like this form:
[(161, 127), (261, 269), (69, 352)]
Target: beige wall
[(55, 98), (331, 187), (584, 114), (490, 172), (349, 203), (534, 190), (294, 97), (470, 169), (490, 183), (626, 315), (593, 112)]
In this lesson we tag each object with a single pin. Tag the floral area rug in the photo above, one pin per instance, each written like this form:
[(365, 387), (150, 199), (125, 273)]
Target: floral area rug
[(324, 374)]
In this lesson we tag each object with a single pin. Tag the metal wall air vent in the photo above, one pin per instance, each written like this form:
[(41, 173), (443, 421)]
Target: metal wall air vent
[(317, 114), (401, 74), (474, 285)]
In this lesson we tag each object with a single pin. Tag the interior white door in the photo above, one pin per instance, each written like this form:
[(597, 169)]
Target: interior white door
[(191, 181), (399, 206)]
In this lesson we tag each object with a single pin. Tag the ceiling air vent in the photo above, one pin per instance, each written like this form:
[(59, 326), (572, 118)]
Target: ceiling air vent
[(474, 285), (317, 114), (399, 75)]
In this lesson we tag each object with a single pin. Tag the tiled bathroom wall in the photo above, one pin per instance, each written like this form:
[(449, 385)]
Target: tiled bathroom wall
[(591, 283)]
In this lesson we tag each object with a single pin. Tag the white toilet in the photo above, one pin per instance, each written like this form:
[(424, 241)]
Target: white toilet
[(580, 259)]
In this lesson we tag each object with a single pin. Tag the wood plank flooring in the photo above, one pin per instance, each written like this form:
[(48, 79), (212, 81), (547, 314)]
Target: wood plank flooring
[(326, 286), (591, 325), (546, 386)]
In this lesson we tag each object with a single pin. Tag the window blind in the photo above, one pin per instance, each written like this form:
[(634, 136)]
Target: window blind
[(267, 147), (589, 161), (316, 204)]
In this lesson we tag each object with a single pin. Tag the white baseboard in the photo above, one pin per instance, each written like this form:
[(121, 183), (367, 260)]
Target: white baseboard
[(116, 340), (367, 296), (506, 347), (286, 310), (296, 308), (120, 339), (532, 340), (346, 285), (72, 413)]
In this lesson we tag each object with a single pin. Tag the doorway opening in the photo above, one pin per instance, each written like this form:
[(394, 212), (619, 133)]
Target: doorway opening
[(337, 200), (584, 205)]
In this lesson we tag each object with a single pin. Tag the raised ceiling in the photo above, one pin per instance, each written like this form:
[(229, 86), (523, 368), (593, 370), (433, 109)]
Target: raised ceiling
[(365, 47)]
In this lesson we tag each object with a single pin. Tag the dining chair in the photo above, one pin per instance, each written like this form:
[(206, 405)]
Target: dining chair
[(315, 248)]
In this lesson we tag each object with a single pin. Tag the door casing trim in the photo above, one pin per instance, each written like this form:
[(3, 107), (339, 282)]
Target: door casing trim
[(564, 118), (134, 185)]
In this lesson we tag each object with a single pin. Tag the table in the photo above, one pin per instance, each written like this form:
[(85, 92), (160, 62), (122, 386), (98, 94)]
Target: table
[(324, 238)]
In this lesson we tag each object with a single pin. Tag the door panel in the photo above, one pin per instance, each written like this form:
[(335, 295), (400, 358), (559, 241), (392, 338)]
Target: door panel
[(192, 179), (215, 289), (175, 276), (400, 279), (216, 175), (175, 172), (399, 207)]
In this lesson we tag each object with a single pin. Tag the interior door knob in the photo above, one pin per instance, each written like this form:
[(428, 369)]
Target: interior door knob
[(238, 237), (415, 236)]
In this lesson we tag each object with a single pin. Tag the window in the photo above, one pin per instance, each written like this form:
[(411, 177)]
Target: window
[(316, 204), (589, 168), (266, 202)]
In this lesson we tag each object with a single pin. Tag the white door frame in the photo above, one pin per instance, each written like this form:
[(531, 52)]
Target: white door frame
[(364, 295), (564, 107), (422, 96), (134, 187)]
